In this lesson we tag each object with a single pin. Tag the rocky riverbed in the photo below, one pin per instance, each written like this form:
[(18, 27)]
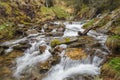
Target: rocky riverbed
[(54, 52)]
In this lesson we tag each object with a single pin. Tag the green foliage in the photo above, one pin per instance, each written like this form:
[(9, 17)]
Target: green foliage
[(7, 30), (46, 11), (53, 11), (84, 9), (76, 4), (60, 13), (115, 63), (113, 43)]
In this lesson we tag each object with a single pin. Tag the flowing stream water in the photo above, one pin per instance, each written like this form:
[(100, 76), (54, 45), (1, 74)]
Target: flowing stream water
[(67, 68)]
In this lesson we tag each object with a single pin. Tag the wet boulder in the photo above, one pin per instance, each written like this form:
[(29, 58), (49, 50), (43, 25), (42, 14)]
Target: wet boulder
[(49, 27), (81, 42), (24, 42), (54, 34), (61, 28), (76, 45), (54, 60), (57, 50), (22, 47), (42, 48), (31, 32)]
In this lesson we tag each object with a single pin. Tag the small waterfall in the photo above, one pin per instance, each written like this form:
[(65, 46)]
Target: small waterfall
[(31, 57), (67, 68)]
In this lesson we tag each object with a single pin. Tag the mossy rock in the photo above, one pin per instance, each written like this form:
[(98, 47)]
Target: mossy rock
[(55, 42), (65, 40), (75, 53), (113, 43)]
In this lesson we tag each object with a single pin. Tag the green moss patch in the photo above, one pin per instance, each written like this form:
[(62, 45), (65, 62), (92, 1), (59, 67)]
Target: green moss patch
[(55, 42)]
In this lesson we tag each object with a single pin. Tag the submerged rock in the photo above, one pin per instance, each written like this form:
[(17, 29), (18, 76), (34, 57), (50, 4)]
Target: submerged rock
[(75, 53), (42, 48)]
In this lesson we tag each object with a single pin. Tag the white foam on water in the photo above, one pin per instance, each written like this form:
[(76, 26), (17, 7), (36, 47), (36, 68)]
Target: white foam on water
[(72, 29), (67, 68), (97, 61), (31, 57), (10, 49), (81, 69), (98, 36)]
